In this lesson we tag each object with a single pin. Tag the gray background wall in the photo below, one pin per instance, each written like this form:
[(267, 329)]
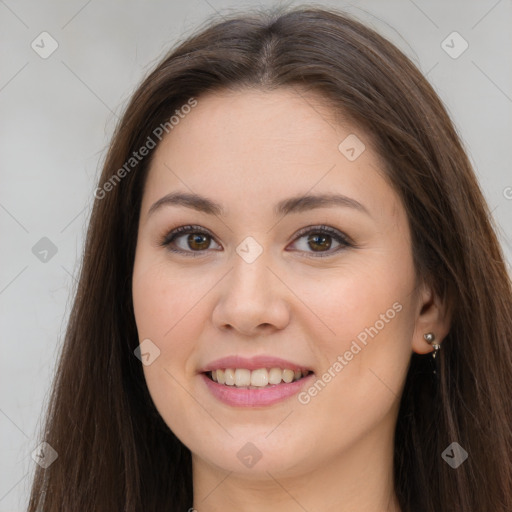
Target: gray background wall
[(58, 113)]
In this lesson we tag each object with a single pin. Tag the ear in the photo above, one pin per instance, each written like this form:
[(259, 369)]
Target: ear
[(432, 315)]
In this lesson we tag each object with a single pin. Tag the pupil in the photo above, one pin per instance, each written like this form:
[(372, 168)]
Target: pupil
[(196, 238), (321, 237)]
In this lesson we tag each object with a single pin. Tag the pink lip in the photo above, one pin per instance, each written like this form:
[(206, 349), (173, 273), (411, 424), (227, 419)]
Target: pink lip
[(240, 397), (253, 363)]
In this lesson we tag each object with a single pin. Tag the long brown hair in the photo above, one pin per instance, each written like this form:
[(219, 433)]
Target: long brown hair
[(115, 451)]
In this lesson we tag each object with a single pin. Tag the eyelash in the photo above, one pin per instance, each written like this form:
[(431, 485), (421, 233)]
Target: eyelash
[(324, 230)]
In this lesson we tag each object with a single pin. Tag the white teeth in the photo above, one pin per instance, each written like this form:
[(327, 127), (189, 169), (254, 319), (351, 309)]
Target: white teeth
[(242, 377), (259, 378), (288, 375), (275, 375), (229, 376)]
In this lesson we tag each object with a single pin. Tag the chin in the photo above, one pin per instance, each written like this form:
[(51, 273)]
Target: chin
[(255, 456)]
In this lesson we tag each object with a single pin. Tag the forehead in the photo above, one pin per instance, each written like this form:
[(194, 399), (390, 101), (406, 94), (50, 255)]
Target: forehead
[(235, 124), (251, 148)]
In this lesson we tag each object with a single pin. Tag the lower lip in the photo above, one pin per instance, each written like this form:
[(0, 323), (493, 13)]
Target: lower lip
[(240, 397)]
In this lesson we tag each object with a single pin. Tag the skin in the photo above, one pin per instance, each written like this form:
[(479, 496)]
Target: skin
[(247, 150)]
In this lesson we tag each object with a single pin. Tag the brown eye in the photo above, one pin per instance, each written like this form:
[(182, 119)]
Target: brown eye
[(320, 239), (188, 240), (319, 242), (197, 241)]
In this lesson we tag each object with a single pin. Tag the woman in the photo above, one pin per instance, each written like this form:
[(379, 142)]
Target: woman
[(291, 295)]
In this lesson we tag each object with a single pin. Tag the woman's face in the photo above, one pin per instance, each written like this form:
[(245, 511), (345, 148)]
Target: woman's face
[(298, 266)]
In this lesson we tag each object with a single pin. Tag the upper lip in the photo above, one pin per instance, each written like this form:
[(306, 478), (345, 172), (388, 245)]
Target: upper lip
[(252, 363)]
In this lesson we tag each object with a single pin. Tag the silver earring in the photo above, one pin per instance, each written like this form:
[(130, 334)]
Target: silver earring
[(430, 338)]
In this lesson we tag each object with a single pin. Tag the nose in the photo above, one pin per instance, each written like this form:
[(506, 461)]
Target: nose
[(252, 299)]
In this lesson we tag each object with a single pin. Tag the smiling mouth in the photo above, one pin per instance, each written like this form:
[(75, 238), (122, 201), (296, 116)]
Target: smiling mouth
[(255, 379)]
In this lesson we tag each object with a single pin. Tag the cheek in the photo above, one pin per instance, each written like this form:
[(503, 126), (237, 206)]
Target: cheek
[(369, 309), (361, 381), (161, 298), (169, 319), (161, 304), (164, 312), (352, 300)]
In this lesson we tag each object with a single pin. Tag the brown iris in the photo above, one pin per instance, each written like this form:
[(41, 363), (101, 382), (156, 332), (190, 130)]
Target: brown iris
[(200, 239), (323, 238)]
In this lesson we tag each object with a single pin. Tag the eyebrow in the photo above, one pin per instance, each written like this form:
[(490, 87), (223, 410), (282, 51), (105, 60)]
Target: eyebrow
[(291, 205)]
